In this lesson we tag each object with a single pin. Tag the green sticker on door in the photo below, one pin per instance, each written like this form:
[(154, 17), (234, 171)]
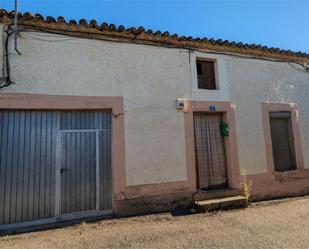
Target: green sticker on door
[(224, 129)]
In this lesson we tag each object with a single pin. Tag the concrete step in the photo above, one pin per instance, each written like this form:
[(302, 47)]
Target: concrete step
[(221, 204), (202, 195)]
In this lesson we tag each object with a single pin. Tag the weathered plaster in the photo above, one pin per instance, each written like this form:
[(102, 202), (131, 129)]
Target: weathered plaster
[(149, 79), (222, 91), (252, 82)]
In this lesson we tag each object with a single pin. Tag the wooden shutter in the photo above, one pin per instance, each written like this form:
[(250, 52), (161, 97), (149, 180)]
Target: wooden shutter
[(206, 75), (282, 141)]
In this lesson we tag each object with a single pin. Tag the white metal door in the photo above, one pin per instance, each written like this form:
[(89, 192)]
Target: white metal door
[(35, 146), (79, 171)]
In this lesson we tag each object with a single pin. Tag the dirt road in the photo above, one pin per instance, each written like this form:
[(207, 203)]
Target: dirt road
[(279, 225)]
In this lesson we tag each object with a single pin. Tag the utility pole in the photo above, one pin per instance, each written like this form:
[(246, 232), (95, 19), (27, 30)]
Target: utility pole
[(16, 27)]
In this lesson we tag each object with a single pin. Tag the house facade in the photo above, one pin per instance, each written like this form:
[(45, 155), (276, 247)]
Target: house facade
[(104, 120)]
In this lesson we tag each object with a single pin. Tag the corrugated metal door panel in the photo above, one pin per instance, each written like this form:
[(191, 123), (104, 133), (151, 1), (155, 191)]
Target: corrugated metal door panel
[(27, 165), (210, 151), (105, 172), (80, 120), (78, 178), (28, 141), (282, 141)]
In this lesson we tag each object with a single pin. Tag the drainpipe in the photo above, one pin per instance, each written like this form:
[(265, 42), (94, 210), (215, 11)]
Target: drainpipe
[(16, 27)]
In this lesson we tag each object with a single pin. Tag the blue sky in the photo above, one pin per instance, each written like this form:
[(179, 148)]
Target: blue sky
[(283, 24)]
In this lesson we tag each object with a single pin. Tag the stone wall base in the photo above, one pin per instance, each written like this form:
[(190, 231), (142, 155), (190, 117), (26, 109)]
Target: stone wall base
[(152, 204), (279, 185)]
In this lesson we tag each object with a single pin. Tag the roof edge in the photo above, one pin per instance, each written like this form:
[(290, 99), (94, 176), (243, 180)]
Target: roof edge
[(139, 35)]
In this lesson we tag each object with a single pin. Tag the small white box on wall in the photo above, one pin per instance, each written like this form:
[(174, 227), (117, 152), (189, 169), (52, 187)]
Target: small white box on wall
[(180, 103)]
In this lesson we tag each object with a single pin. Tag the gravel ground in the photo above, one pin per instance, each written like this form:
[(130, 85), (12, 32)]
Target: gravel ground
[(277, 224)]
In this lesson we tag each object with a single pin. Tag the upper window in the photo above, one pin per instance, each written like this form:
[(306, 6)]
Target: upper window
[(282, 141), (206, 74)]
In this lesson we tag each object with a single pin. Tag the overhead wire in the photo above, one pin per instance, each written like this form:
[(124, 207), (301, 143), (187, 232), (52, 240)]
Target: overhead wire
[(81, 34), (5, 80), (44, 39)]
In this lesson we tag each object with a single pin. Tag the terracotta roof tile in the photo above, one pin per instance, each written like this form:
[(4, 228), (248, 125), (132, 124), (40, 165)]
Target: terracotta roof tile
[(104, 26), (38, 21), (121, 28), (72, 23)]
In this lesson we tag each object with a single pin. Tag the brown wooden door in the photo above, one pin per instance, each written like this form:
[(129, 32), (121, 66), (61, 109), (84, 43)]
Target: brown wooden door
[(282, 141)]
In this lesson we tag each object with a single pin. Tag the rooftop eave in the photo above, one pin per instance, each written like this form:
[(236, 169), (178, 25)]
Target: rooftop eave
[(148, 37)]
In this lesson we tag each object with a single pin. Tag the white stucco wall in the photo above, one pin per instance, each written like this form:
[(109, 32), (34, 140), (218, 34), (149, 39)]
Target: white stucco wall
[(247, 83), (254, 81), (150, 79), (222, 91)]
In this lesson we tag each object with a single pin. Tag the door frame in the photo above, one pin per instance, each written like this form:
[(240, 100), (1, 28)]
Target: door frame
[(227, 109), (268, 107), (113, 104), (221, 114)]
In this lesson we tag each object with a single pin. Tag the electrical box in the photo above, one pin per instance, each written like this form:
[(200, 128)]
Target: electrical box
[(180, 104), (224, 129)]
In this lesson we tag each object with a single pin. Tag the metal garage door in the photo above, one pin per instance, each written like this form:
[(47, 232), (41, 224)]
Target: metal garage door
[(54, 163)]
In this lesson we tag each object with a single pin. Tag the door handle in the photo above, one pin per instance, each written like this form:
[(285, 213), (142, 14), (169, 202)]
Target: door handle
[(62, 170)]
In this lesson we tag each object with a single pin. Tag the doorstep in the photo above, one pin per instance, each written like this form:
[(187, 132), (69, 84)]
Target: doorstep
[(224, 203), (221, 199), (202, 195)]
